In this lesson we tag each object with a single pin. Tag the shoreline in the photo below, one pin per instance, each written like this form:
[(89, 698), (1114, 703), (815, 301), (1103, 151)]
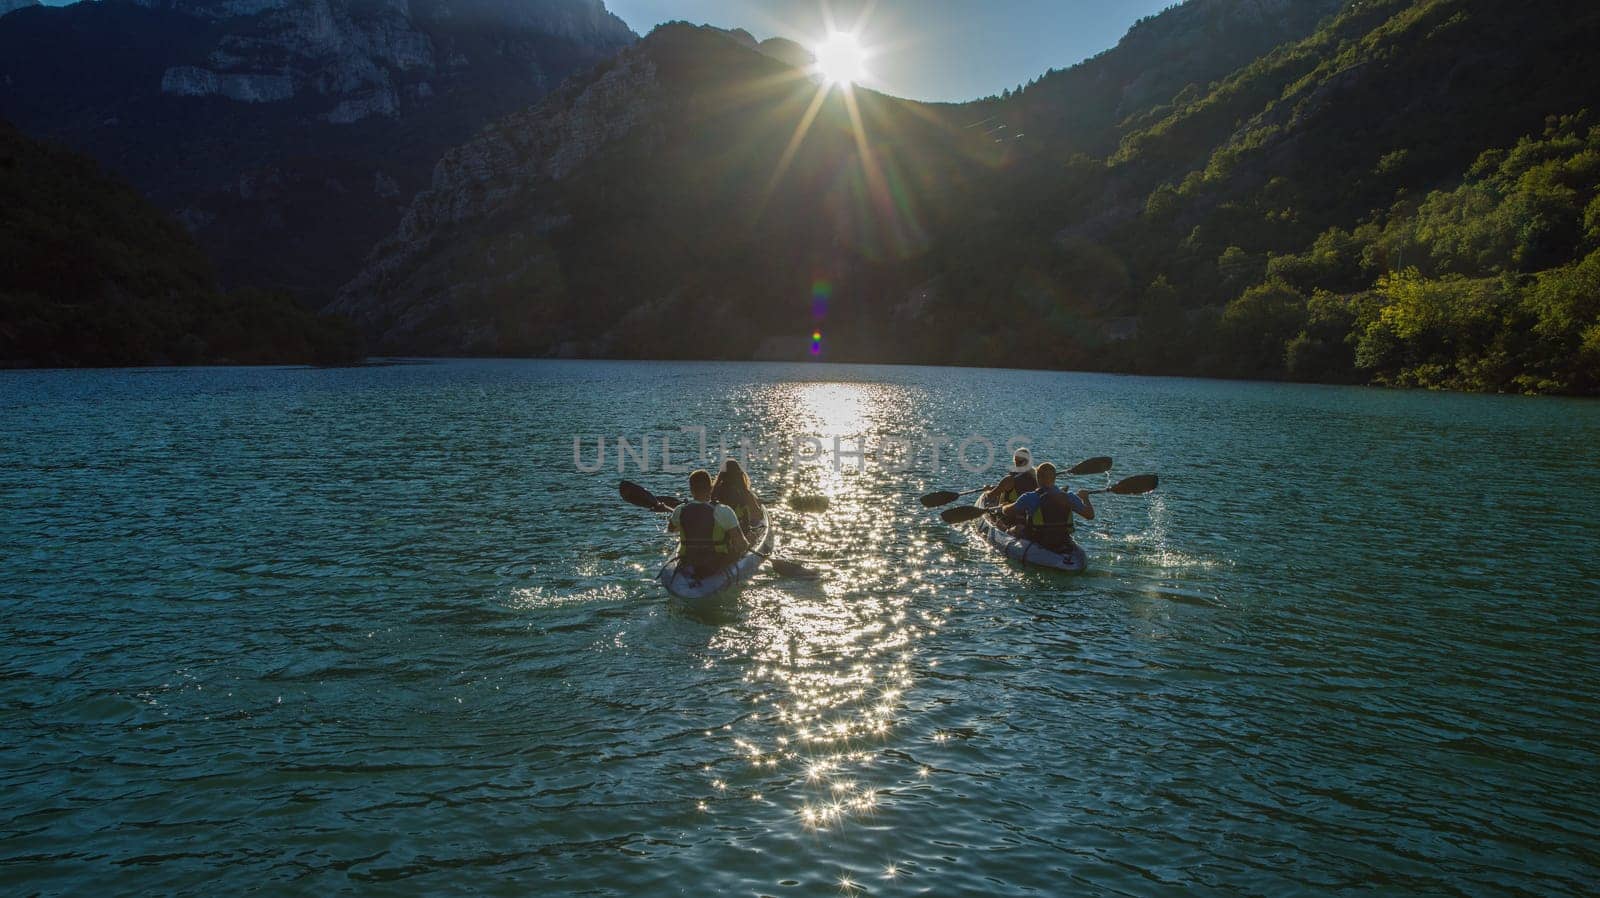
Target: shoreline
[(408, 360)]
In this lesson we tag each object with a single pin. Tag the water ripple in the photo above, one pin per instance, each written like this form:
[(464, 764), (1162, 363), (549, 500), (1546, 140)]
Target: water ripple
[(344, 629)]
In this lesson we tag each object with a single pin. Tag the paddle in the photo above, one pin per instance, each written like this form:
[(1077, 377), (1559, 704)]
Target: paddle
[(790, 569), (945, 497), (634, 494), (1131, 486), (962, 514), (1097, 465)]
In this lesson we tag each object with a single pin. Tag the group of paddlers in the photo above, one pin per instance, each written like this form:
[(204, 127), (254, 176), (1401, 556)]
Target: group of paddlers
[(718, 525), (1033, 507)]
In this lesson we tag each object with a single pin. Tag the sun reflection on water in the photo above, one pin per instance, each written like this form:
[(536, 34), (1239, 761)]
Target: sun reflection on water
[(829, 665), (838, 409)]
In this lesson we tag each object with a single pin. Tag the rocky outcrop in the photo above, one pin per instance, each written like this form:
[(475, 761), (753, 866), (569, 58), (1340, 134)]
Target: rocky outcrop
[(191, 98), (404, 287), (356, 59), (787, 51), (191, 81)]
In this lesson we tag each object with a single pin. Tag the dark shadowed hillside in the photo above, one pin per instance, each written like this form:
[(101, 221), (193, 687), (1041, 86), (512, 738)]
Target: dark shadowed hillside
[(672, 204), (92, 274)]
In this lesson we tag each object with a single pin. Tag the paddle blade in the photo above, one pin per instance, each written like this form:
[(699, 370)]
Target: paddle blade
[(962, 514), (1133, 486), (793, 570), (808, 503), (634, 494), (1097, 465), (942, 497)]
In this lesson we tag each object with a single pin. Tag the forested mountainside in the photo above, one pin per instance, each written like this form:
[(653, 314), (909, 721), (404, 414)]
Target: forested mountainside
[(287, 135), (92, 274), (1405, 197), (1163, 60), (1403, 194)]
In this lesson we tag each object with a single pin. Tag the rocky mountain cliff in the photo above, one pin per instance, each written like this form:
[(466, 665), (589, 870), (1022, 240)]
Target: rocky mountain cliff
[(287, 134), (669, 185)]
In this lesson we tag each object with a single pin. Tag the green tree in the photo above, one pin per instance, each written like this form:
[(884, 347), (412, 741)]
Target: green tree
[(1256, 326)]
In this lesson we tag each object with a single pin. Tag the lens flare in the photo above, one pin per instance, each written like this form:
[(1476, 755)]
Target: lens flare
[(841, 58)]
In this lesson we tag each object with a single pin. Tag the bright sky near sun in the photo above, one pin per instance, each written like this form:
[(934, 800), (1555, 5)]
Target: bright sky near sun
[(925, 49), (921, 49)]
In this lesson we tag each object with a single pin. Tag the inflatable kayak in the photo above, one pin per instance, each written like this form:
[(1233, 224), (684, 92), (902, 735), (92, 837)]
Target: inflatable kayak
[(1027, 551), (704, 590)]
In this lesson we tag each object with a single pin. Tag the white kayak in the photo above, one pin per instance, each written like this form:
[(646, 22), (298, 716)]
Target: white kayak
[(704, 591), (1027, 551)]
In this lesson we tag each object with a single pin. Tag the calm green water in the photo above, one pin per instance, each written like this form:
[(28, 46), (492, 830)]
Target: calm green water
[(319, 631)]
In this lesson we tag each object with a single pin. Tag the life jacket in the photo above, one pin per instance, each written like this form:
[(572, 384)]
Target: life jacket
[(1050, 525), (1022, 483), (705, 542)]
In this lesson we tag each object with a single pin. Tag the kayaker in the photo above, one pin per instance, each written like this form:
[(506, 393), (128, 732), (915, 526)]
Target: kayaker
[(711, 536), (1019, 481), (733, 490), (1045, 514)]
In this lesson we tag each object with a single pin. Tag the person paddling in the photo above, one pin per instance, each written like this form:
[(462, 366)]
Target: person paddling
[(733, 490), (1021, 480), (1045, 514), (710, 531)]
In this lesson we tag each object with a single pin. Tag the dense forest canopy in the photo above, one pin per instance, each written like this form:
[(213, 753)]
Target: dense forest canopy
[(1407, 196)]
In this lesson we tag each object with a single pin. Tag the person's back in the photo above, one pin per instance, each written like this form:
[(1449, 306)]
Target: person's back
[(733, 490), (1046, 513), (1050, 523), (710, 531)]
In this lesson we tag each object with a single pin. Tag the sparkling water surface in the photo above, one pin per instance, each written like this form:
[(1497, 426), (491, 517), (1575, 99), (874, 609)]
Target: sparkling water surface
[(369, 630)]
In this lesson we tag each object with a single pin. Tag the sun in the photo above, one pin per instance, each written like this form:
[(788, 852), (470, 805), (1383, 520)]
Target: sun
[(841, 59)]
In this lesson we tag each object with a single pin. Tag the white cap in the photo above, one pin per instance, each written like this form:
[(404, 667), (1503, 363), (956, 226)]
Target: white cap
[(1022, 459)]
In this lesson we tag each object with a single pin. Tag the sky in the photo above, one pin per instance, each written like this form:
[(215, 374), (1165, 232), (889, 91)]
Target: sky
[(922, 49), (926, 49)]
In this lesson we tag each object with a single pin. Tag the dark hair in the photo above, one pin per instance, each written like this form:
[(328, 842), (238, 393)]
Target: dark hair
[(1046, 474), (733, 485), (699, 482)]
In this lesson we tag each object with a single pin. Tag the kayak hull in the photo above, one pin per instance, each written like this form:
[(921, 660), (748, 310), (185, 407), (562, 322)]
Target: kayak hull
[(696, 592), (1027, 551)]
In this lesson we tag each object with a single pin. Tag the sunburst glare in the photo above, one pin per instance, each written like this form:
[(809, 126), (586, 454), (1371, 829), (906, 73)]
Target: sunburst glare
[(841, 59)]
